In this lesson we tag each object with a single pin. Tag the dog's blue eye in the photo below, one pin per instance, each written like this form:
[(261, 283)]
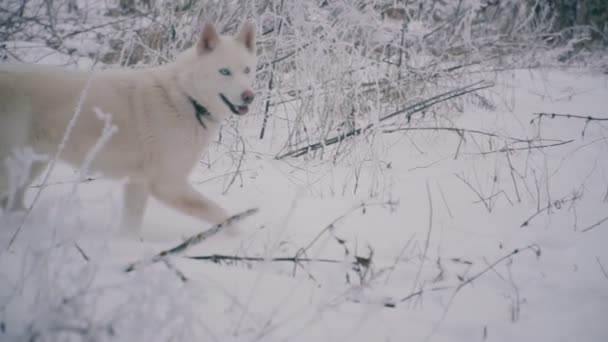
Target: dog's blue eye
[(225, 71), (247, 70)]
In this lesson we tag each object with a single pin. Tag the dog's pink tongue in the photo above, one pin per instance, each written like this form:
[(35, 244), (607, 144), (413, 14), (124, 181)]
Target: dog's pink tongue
[(243, 109)]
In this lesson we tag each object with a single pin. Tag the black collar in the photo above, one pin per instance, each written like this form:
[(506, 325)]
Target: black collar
[(199, 111)]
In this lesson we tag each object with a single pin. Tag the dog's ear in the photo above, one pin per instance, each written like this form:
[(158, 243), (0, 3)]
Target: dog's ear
[(208, 40), (246, 35)]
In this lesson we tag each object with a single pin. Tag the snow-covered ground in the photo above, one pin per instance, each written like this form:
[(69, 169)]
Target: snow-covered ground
[(456, 244)]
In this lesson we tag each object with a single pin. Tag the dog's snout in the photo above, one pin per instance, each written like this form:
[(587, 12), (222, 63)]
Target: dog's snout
[(247, 96)]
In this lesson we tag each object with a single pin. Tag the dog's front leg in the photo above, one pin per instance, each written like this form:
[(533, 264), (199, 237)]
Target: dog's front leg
[(135, 199), (185, 198)]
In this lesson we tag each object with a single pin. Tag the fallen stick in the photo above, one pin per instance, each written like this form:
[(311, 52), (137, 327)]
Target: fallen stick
[(218, 258), (191, 241)]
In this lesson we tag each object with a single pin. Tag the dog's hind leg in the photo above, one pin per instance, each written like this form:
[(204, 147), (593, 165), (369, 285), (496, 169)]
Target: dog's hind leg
[(35, 171), (15, 131), (135, 199)]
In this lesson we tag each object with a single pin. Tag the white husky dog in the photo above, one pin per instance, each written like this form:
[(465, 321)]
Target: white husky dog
[(166, 116)]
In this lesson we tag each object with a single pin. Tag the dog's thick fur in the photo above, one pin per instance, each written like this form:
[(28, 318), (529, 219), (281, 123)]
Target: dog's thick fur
[(159, 138)]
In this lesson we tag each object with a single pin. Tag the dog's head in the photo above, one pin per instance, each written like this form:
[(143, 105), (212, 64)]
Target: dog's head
[(224, 70)]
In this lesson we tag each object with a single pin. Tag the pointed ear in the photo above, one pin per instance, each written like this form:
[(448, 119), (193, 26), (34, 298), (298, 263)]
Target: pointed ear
[(208, 39), (246, 36)]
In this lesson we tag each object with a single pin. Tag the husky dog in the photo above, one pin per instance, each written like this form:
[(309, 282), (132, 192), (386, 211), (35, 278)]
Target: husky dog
[(166, 116)]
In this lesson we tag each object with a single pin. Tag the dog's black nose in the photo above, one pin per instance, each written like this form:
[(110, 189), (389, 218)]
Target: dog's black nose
[(247, 96)]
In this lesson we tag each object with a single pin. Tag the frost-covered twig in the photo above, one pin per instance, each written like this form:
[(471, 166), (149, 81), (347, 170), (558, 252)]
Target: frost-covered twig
[(191, 241), (107, 132)]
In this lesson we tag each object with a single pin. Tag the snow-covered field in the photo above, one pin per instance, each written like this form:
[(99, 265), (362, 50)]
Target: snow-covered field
[(478, 220), (448, 237)]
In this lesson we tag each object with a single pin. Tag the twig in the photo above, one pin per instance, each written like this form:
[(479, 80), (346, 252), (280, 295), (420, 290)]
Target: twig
[(82, 253), (445, 201), (534, 247), (587, 119), (191, 241), (457, 130), (602, 267), (479, 195), (177, 272), (511, 171), (85, 180), (403, 249), (531, 147), (595, 224), (222, 175), (423, 291), (461, 131), (219, 258), (568, 116), (238, 167), (427, 239), (460, 141), (515, 308), (557, 203)]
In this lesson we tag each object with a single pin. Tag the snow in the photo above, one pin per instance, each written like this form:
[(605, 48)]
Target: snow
[(464, 241), (425, 228)]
